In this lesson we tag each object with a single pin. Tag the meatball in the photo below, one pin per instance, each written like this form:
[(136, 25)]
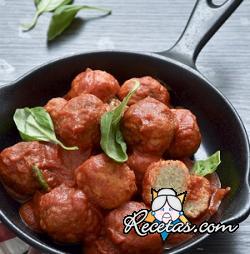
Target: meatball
[(187, 137), (165, 174), (99, 83), (149, 125), (139, 162), (71, 160), (77, 122), (107, 183), (198, 197), (67, 215), (148, 87), (16, 166), (29, 212), (101, 246), (56, 164), (54, 106), (131, 242)]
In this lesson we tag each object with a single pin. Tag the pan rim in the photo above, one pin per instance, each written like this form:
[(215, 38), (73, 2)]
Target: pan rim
[(234, 218)]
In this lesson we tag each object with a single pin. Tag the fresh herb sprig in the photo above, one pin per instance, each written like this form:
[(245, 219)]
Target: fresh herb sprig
[(64, 13), (112, 141), (207, 166), (35, 124), (43, 6), (63, 17), (40, 178), (36, 2)]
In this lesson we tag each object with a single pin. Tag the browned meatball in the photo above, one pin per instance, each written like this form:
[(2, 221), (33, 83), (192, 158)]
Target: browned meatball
[(165, 174), (96, 82), (198, 197), (187, 137), (139, 162), (71, 160), (148, 87), (54, 106), (101, 246), (107, 183), (77, 122), (16, 165), (57, 166), (149, 125), (131, 242), (67, 215)]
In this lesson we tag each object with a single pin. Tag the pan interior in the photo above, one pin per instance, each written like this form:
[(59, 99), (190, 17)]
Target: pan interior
[(220, 127)]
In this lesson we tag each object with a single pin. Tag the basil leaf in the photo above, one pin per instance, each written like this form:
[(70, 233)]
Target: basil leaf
[(208, 166), (40, 178), (54, 4), (63, 17), (36, 2), (112, 141), (35, 124), (44, 6)]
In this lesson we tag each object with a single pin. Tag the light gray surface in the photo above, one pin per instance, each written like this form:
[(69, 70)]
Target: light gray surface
[(142, 25)]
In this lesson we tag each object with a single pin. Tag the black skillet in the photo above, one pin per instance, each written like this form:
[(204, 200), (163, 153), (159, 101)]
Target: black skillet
[(221, 126)]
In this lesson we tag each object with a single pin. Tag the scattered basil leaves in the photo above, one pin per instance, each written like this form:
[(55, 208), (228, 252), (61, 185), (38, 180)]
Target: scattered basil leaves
[(40, 178), (35, 124), (112, 141), (207, 166), (63, 17), (44, 6)]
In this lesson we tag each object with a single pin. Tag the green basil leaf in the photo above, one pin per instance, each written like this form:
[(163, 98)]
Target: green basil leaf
[(35, 124), (63, 17), (112, 141), (40, 178), (36, 2), (208, 166), (44, 6), (54, 4)]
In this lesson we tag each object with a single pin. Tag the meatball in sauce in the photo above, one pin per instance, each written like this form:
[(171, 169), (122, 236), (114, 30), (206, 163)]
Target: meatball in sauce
[(77, 123), (130, 243), (16, 166), (149, 87), (149, 126), (99, 83), (187, 137), (67, 216), (107, 183), (198, 197), (165, 174), (139, 163)]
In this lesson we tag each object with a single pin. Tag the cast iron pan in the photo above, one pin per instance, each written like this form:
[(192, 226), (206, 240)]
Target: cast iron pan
[(221, 126)]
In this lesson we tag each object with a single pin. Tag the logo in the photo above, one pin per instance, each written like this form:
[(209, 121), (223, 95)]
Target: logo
[(166, 216), (167, 207)]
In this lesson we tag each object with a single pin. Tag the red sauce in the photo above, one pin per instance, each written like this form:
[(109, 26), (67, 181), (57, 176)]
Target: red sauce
[(216, 199), (30, 214)]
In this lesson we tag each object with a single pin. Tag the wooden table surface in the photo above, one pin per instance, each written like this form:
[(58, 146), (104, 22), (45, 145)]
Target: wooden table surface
[(140, 25)]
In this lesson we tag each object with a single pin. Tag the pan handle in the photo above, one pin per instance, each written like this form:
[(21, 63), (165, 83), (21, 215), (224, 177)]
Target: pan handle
[(205, 19)]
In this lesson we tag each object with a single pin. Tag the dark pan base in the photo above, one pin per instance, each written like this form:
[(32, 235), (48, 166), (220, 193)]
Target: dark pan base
[(221, 127)]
